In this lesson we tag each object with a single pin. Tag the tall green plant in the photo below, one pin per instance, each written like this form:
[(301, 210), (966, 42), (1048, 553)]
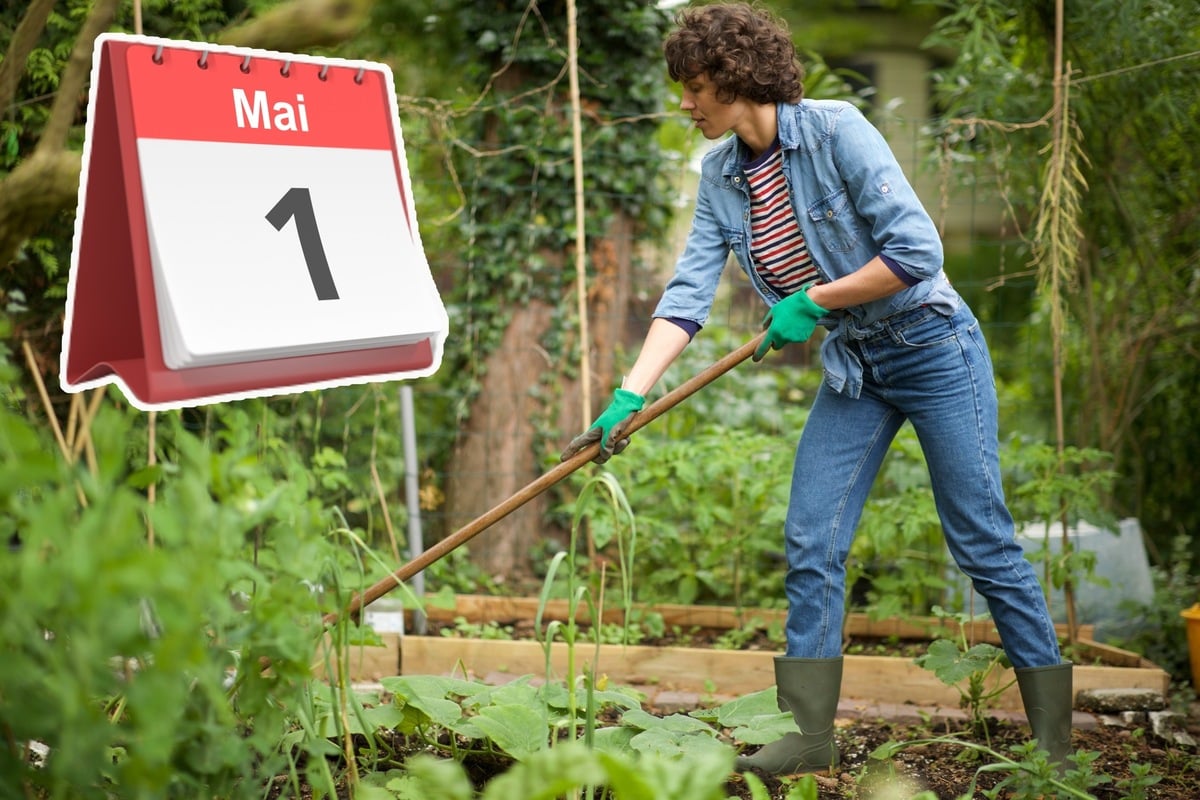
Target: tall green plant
[(968, 668), (624, 535), (141, 667), (1060, 487)]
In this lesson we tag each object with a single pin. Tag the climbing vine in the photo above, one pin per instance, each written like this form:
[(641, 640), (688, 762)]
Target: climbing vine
[(517, 229)]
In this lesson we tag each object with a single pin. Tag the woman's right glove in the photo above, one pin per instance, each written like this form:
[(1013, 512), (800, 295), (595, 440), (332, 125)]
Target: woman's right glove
[(609, 427)]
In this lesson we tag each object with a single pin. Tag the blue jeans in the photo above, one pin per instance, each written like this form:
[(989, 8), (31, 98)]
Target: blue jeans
[(934, 370)]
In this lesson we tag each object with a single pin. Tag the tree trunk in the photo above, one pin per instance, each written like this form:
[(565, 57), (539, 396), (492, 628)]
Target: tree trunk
[(495, 455)]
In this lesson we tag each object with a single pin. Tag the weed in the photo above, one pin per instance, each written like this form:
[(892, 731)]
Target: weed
[(489, 629), (967, 668)]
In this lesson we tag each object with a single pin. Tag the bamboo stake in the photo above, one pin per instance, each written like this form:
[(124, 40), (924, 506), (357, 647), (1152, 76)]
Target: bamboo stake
[(36, 372), (541, 484), (151, 460), (585, 372), (83, 436)]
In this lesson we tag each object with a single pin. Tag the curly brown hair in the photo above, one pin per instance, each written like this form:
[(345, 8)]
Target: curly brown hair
[(745, 50)]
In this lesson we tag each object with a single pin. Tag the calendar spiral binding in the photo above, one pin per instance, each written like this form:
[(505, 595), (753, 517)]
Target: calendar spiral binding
[(285, 70)]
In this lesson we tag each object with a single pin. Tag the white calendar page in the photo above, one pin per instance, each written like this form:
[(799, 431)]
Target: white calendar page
[(232, 287)]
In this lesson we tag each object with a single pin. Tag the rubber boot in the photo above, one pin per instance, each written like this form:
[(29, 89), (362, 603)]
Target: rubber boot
[(1049, 700), (809, 689)]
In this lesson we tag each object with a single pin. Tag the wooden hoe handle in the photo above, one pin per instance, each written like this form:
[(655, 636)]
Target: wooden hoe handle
[(479, 524)]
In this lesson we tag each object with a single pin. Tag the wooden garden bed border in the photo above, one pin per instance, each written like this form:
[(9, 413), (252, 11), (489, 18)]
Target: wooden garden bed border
[(711, 673), (507, 610)]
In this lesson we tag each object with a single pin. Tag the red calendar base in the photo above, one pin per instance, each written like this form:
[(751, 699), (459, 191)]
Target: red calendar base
[(158, 386)]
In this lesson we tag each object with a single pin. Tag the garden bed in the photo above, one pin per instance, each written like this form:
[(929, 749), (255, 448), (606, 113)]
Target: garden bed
[(713, 672)]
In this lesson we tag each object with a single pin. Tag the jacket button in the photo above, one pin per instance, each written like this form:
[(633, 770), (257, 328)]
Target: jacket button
[(829, 214)]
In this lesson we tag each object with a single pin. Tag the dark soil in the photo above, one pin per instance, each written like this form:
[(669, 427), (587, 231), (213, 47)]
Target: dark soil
[(947, 769)]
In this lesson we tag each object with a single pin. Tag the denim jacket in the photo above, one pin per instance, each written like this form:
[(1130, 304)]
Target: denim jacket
[(853, 203)]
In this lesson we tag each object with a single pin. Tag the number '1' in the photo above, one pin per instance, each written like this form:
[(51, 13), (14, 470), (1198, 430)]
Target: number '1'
[(297, 204)]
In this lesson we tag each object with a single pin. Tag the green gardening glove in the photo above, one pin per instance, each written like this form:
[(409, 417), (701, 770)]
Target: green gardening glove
[(609, 427), (792, 319)]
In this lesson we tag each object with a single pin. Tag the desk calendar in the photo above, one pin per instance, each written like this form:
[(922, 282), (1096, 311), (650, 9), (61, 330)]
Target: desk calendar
[(245, 227)]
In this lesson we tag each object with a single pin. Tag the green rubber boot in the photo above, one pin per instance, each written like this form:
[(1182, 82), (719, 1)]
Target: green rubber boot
[(1049, 700), (809, 688)]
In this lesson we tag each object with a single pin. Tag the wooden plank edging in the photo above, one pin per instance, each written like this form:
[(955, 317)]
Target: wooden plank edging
[(882, 679), (506, 610)]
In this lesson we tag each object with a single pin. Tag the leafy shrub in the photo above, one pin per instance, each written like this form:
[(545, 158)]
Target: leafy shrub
[(138, 664)]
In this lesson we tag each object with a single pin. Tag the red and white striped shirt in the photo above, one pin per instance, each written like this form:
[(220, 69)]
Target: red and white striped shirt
[(777, 246)]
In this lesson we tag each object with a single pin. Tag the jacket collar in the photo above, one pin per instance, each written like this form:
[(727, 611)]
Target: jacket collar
[(787, 129)]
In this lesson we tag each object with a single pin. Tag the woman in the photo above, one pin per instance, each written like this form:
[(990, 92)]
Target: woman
[(811, 201)]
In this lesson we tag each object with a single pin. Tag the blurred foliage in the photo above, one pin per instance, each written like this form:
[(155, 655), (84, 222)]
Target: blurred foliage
[(1133, 338)]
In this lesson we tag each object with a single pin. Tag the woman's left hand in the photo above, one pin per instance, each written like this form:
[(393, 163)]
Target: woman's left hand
[(792, 319)]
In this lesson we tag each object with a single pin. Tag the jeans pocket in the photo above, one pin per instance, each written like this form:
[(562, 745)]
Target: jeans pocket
[(924, 329)]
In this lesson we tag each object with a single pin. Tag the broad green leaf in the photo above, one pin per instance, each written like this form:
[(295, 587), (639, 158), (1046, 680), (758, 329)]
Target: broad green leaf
[(412, 685), (805, 789), (383, 716), (656, 741), (439, 710), (741, 710), (675, 723), (429, 693), (519, 731), (365, 791), (554, 695), (952, 665), (430, 778), (613, 739), (626, 779), (765, 729), (517, 693), (548, 775), (697, 775), (669, 743)]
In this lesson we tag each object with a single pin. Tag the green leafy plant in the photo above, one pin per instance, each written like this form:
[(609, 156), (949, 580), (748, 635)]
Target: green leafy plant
[(967, 668), (460, 718), (711, 500), (1059, 487), (488, 629), (623, 533), (752, 719), (141, 666), (1028, 776), (562, 771)]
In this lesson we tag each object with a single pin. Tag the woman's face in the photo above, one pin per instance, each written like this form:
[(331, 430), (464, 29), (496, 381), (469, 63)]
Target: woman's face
[(711, 116)]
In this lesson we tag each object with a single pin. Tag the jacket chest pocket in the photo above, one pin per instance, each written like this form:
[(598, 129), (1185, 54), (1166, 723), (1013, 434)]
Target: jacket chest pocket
[(835, 221)]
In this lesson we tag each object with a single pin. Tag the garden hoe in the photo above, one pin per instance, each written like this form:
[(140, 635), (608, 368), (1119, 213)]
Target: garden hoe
[(532, 490)]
